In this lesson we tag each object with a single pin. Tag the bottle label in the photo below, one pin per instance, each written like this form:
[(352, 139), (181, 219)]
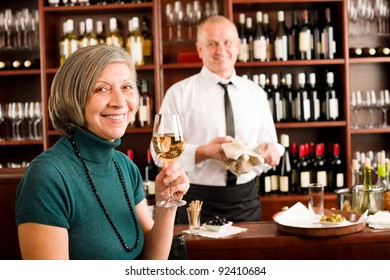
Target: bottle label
[(274, 182), (333, 108), (284, 183), (322, 178), (143, 113), (280, 46), (306, 109), (305, 179), (243, 54), (340, 180), (260, 49), (267, 184)]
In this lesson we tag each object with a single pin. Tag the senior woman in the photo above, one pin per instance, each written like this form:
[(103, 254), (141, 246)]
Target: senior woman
[(82, 199)]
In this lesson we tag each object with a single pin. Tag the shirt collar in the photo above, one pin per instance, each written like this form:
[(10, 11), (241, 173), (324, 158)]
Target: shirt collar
[(211, 79)]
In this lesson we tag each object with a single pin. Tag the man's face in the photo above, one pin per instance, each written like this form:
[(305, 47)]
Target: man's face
[(218, 46)]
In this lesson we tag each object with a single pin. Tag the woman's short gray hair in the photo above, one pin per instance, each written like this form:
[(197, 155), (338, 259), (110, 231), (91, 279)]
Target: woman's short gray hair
[(74, 82)]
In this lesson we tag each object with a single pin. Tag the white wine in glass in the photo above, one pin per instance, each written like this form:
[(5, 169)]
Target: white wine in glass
[(168, 143)]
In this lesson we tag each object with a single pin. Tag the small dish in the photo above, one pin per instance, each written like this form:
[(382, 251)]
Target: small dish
[(217, 228)]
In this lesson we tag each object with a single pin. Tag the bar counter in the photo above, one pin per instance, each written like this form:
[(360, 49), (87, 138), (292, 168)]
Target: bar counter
[(263, 241)]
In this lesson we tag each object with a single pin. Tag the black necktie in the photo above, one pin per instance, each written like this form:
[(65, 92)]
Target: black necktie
[(231, 178)]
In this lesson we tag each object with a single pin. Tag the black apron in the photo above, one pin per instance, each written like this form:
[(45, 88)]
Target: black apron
[(236, 203)]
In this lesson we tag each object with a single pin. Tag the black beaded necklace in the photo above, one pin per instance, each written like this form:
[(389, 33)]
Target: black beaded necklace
[(88, 174)]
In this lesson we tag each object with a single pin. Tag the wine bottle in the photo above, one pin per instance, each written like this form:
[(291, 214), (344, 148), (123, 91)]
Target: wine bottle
[(302, 102), (269, 37), (89, 38), (275, 99), (331, 105), (100, 36), (243, 55), (81, 33), (259, 42), (381, 182), (31, 63), (145, 110), (5, 64), (293, 37), (305, 33), (365, 199), (320, 170), (249, 36), (382, 51), (294, 169), (281, 39), (328, 44), (114, 37), (368, 52), (134, 41), (147, 46), (265, 181), (313, 98), (285, 166), (151, 171), (274, 177), (303, 171), (68, 43), (386, 200), (316, 36), (336, 170), (355, 52), (355, 170), (287, 98)]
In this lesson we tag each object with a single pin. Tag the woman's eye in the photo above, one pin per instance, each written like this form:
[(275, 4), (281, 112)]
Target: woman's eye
[(100, 89)]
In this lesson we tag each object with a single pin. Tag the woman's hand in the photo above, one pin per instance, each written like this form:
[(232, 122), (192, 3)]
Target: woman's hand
[(171, 175)]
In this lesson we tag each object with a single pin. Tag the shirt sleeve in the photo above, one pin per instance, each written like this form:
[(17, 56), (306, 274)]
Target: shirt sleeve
[(42, 196)]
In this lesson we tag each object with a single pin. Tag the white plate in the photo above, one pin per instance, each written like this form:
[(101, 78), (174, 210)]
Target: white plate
[(216, 228), (328, 224)]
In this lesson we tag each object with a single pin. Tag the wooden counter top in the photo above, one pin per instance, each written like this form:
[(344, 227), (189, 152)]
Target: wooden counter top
[(263, 240)]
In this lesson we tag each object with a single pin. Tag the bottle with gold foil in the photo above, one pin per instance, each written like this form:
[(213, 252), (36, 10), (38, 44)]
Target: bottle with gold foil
[(368, 198), (68, 43), (115, 37), (381, 182), (147, 46), (386, 200), (134, 42)]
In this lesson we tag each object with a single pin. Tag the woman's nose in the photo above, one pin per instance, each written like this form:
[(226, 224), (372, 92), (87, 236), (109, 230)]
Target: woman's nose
[(117, 98)]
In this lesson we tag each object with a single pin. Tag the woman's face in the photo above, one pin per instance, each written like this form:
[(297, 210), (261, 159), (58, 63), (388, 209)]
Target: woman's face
[(113, 103)]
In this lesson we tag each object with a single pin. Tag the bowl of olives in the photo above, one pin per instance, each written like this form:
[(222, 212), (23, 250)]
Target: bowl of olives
[(217, 224)]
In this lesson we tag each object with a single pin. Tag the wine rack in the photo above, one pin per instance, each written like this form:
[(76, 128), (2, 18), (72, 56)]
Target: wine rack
[(174, 60)]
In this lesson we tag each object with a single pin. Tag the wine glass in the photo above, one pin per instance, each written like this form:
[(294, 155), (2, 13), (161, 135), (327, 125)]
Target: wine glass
[(384, 105), (168, 143), (169, 19)]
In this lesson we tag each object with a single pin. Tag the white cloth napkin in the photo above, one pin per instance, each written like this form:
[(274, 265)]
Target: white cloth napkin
[(242, 159), (379, 220), (217, 234)]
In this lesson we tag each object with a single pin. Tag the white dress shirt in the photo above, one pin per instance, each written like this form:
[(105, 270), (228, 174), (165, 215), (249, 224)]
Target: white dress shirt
[(199, 101)]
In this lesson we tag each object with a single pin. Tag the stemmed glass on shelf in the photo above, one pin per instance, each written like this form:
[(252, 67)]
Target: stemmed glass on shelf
[(169, 20), (168, 143), (178, 19), (384, 105), (356, 105)]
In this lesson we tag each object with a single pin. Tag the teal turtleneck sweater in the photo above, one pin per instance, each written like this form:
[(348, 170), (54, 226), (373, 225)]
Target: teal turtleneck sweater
[(55, 191)]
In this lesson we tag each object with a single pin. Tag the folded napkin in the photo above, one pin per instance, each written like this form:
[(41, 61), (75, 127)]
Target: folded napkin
[(380, 219), (241, 158), (217, 234)]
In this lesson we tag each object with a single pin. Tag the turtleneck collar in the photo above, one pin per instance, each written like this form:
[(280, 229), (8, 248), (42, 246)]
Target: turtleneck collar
[(92, 147)]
